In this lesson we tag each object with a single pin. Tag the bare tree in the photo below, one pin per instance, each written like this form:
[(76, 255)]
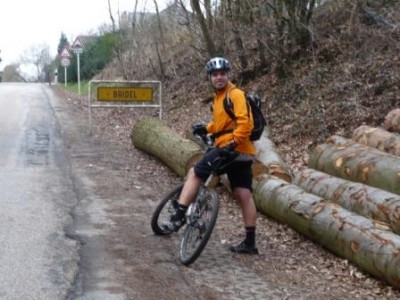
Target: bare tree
[(208, 40), (292, 19), (40, 57), (160, 29), (11, 73), (234, 18), (111, 16)]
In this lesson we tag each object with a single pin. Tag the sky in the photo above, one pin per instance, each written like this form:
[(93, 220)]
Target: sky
[(28, 23)]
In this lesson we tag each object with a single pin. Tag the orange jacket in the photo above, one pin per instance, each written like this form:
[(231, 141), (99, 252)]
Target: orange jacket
[(242, 126)]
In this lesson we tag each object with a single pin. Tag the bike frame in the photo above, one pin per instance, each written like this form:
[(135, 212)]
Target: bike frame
[(201, 215)]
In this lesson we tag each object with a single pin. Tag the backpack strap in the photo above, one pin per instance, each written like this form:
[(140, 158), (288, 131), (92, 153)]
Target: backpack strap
[(219, 133), (228, 106)]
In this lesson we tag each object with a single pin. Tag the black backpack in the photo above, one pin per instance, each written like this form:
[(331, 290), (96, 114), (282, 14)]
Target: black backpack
[(254, 101)]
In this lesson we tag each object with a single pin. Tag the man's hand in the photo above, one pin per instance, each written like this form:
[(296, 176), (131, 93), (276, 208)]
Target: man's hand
[(228, 151), (199, 129), (231, 146)]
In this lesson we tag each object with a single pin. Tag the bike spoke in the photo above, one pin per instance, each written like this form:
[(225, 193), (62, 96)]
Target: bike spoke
[(202, 220)]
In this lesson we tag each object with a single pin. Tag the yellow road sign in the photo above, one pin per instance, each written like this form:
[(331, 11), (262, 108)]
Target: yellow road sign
[(124, 94)]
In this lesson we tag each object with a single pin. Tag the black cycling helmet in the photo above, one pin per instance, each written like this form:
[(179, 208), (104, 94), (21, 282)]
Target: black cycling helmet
[(217, 63)]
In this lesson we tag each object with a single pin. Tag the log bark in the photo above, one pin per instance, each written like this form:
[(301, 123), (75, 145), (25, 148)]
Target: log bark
[(392, 120), (378, 138), (268, 160), (370, 202), (356, 162), (346, 234), (154, 137)]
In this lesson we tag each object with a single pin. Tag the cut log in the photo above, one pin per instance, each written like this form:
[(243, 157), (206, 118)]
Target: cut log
[(268, 159), (154, 137), (362, 199), (392, 120), (346, 234), (349, 160), (378, 138)]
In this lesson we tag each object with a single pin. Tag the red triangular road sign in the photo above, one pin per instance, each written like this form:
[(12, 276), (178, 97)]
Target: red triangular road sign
[(65, 53)]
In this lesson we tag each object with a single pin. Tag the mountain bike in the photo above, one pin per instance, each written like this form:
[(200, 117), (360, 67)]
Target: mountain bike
[(201, 215)]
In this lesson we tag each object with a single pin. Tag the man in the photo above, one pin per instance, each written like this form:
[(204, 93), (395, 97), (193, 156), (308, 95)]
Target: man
[(230, 135)]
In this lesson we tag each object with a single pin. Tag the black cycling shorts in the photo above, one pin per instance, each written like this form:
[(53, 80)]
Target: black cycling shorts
[(239, 172)]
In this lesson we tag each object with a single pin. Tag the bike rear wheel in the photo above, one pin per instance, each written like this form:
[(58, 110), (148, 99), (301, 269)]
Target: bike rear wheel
[(199, 228), (167, 207)]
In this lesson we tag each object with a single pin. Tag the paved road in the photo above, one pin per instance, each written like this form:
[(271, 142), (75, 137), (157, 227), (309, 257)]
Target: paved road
[(37, 259), (51, 244)]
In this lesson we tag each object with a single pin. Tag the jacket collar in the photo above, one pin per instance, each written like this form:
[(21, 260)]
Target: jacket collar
[(227, 88)]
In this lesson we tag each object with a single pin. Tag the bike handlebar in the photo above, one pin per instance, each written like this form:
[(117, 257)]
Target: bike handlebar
[(225, 155), (205, 138)]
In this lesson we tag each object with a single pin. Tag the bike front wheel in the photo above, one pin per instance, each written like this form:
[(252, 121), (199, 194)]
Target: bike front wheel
[(200, 226), (167, 207)]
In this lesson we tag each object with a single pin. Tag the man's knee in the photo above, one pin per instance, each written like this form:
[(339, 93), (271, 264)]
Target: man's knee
[(192, 176), (191, 172), (242, 194)]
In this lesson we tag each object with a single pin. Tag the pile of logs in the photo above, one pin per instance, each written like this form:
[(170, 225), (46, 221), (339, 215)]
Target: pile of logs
[(347, 199)]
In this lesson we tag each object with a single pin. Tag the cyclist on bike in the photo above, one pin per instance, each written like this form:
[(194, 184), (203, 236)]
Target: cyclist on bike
[(231, 138)]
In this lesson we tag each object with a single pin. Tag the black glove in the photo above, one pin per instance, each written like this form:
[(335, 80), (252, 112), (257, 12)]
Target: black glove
[(230, 147), (228, 151), (199, 129)]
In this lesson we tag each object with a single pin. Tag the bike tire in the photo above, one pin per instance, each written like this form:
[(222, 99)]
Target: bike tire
[(189, 252), (165, 209)]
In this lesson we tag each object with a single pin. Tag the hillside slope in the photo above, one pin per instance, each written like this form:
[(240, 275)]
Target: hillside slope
[(349, 78)]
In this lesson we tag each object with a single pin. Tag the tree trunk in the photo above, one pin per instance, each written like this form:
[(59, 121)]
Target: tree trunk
[(268, 159), (241, 51), (378, 138), (354, 13), (210, 46), (364, 200), (392, 120), (356, 162), (152, 136), (346, 234), (162, 40)]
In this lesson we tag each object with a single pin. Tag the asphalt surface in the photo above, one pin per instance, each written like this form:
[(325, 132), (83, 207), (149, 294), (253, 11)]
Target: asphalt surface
[(37, 259)]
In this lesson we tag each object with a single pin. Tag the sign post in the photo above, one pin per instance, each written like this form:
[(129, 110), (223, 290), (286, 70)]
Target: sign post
[(65, 62), (78, 52), (77, 47)]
